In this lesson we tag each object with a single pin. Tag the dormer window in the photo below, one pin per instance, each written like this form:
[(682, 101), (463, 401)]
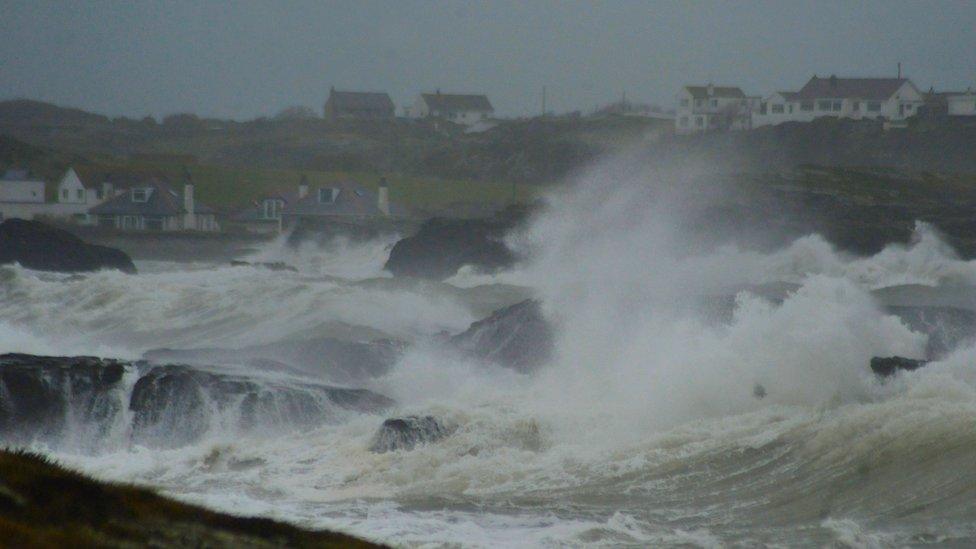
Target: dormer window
[(328, 195), (140, 195)]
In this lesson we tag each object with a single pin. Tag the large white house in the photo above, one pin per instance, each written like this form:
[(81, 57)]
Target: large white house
[(891, 99), (961, 104), (21, 196), (461, 109), (713, 108)]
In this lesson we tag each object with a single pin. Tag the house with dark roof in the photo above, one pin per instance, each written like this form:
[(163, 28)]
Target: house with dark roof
[(893, 100), (264, 215), (358, 105), (463, 109), (153, 205), (713, 108)]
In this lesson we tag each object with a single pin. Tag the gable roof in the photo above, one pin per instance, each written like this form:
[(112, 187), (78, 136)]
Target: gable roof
[(701, 92), (17, 175), (358, 101), (855, 88), (351, 200), (457, 102), (163, 201)]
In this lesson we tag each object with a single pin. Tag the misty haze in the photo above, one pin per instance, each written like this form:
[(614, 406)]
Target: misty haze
[(507, 274)]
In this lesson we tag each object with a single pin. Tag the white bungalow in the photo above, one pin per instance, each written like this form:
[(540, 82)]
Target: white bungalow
[(961, 104), (713, 108), (463, 109)]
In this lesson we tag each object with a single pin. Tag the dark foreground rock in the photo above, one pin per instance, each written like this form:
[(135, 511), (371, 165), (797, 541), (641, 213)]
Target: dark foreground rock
[(45, 505), (337, 360), (405, 433), (85, 402), (517, 337), (44, 248), (889, 366), (442, 246)]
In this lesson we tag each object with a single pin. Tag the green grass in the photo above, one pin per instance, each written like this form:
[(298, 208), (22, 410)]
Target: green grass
[(231, 188)]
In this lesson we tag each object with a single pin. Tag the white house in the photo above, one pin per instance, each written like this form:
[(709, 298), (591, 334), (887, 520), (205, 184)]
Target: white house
[(891, 99), (713, 108), (75, 196), (961, 104), (458, 108), (20, 195)]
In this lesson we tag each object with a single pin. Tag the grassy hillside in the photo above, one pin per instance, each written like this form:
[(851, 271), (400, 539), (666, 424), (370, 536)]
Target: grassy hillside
[(44, 505)]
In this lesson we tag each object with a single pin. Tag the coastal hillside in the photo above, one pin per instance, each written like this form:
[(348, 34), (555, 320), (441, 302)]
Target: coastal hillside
[(45, 505)]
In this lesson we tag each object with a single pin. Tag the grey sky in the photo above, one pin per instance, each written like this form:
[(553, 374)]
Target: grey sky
[(249, 58)]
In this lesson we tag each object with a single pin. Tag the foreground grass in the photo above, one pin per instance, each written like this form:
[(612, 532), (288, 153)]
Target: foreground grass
[(231, 188), (44, 505)]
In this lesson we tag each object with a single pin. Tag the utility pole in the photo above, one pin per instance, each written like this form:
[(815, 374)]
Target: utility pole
[(543, 101), (899, 70)]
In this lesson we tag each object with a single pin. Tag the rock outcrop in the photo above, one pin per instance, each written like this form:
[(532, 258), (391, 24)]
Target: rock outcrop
[(85, 401), (406, 433), (44, 248), (517, 337), (442, 246), (889, 366)]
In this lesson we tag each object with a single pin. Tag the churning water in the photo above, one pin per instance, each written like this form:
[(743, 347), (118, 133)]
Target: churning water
[(643, 428)]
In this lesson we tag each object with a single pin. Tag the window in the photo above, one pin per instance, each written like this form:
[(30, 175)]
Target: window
[(806, 106), (778, 109), (140, 195), (684, 102), (98, 194), (791, 107), (874, 106), (64, 194), (823, 105), (272, 208), (699, 121), (683, 122), (714, 102), (857, 106), (80, 193), (908, 107), (327, 195), (763, 108), (698, 102), (838, 105)]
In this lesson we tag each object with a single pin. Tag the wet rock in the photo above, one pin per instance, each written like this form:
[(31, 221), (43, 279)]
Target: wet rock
[(337, 360), (37, 393), (174, 405), (270, 265), (442, 246), (889, 366), (517, 337), (44, 248), (405, 433)]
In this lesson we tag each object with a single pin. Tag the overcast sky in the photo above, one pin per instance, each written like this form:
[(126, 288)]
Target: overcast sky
[(251, 58)]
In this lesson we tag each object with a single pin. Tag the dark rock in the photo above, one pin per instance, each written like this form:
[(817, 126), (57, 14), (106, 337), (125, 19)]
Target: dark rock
[(44, 248), (37, 393), (270, 265), (889, 366), (405, 433), (339, 361), (517, 337), (79, 401), (175, 405), (442, 246)]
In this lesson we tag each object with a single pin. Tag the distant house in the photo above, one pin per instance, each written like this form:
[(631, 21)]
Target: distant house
[(21, 196), (358, 105), (891, 99), (961, 104), (265, 214), (713, 108), (152, 205), (458, 108), (343, 201)]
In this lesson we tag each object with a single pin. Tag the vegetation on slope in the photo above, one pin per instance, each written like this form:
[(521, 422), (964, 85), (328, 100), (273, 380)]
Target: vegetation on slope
[(45, 505)]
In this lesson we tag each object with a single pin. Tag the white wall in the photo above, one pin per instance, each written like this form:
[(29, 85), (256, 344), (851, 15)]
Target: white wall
[(22, 191)]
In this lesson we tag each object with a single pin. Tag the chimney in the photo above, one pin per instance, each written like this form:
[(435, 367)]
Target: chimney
[(190, 217), (833, 80), (303, 188), (383, 197)]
